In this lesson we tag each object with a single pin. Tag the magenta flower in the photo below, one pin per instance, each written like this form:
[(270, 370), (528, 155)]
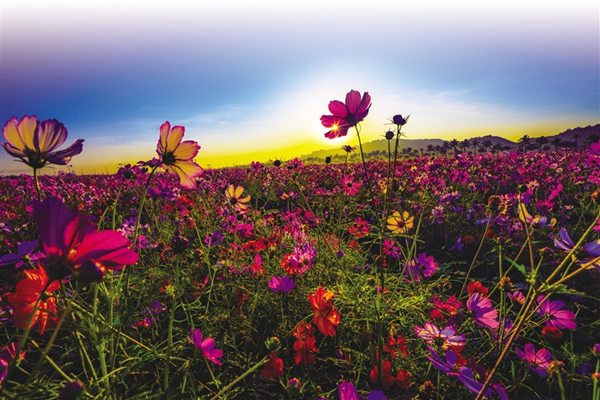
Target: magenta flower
[(347, 115), (447, 337), (349, 186), (595, 148), (177, 156), (538, 362), (347, 391), (421, 266), (206, 346), (34, 142), (484, 313), (558, 318), (283, 284), (7, 354), (74, 245)]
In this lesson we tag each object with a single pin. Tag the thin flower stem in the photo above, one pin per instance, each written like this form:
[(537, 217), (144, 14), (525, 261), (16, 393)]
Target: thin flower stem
[(37, 184), (44, 355), (475, 257), (171, 320), (560, 380), (362, 155), (239, 378), (516, 329)]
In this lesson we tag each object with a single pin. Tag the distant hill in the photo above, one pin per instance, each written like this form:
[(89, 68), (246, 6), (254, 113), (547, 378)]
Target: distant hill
[(423, 144)]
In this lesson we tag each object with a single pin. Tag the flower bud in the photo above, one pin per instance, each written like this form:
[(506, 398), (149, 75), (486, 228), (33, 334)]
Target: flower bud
[(71, 391), (328, 160), (552, 335), (596, 197), (399, 120), (273, 344), (389, 135)]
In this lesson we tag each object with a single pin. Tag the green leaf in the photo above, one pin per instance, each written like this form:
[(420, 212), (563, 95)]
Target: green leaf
[(520, 267)]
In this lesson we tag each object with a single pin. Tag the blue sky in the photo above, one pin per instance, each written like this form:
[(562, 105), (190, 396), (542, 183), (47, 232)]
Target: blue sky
[(250, 79)]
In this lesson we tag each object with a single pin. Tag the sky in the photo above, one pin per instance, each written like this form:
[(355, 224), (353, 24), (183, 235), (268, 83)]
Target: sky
[(250, 80)]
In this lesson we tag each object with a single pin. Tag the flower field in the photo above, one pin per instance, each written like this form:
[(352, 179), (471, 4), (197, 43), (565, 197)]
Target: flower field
[(453, 277)]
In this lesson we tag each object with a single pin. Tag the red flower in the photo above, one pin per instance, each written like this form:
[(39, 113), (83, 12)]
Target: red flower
[(396, 345), (35, 286), (305, 350), (325, 317), (403, 379), (473, 287), (273, 368), (388, 379), (346, 115)]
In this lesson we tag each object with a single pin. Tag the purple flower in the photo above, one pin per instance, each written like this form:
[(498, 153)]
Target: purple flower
[(6, 356), (206, 346), (558, 318), (283, 284), (447, 337), (592, 249), (538, 362), (377, 395), (484, 313), (155, 309), (445, 366), (24, 255), (214, 239)]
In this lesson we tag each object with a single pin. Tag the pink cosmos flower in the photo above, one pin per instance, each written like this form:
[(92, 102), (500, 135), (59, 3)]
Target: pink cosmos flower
[(283, 284), (176, 156), (558, 318), (447, 337), (538, 362), (206, 346), (484, 313), (74, 245), (34, 142), (349, 185), (346, 115)]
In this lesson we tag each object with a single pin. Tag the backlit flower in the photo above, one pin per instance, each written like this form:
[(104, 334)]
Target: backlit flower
[(388, 379), (73, 244), (346, 115), (176, 156), (484, 314), (400, 223), (325, 317), (34, 142), (206, 347), (234, 197), (283, 284), (446, 338), (28, 291)]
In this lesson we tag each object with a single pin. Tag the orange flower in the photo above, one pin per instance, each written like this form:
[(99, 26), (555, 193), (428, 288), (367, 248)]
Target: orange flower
[(177, 156), (29, 290), (325, 317)]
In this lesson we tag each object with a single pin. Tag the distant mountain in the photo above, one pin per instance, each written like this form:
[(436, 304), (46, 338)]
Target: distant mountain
[(422, 144)]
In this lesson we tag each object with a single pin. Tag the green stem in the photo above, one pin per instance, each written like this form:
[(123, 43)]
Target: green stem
[(171, 320), (239, 378), (37, 183)]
